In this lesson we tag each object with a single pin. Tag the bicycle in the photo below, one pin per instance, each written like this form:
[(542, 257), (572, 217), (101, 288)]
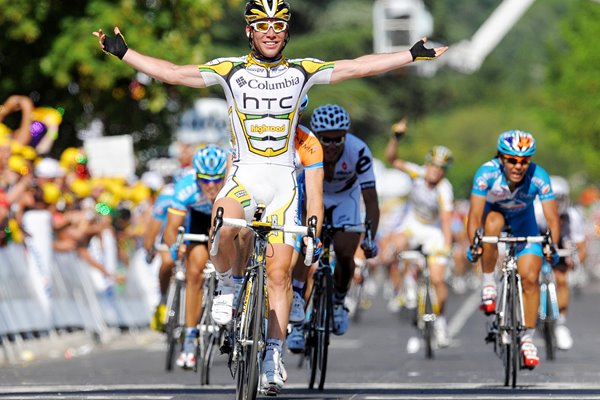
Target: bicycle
[(508, 321), (548, 312), (358, 298), (175, 316), (247, 341), (428, 307), (319, 315)]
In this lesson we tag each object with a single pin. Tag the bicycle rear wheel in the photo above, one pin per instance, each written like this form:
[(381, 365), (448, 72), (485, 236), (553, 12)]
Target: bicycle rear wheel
[(174, 325), (250, 339)]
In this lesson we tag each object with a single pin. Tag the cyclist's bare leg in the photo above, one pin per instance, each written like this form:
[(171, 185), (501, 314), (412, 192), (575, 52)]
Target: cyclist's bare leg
[(279, 289), (437, 275), (196, 261), (494, 222), (164, 273), (344, 244), (233, 244), (529, 266)]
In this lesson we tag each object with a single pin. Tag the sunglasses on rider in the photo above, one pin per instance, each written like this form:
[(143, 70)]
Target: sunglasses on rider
[(206, 179), (513, 160), (263, 26), (328, 141)]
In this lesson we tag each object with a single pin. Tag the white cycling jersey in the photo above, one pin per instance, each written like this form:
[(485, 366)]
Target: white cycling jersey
[(425, 201), (353, 172), (264, 100)]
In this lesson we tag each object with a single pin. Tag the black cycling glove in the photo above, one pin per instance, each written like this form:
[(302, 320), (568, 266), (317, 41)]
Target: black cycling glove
[(116, 46), (419, 52)]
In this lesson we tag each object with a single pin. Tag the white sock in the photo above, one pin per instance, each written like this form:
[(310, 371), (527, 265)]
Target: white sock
[(488, 279)]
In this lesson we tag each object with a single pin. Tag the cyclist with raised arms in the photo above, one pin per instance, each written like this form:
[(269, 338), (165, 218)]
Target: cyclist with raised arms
[(502, 195), (427, 222), (572, 233), (264, 90), (194, 194)]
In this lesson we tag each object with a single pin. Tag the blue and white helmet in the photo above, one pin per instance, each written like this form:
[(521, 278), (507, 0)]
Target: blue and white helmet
[(516, 143), (210, 162), (330, 117)]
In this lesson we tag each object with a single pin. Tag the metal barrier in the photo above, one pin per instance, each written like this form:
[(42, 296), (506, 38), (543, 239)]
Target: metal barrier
[(67, 295)]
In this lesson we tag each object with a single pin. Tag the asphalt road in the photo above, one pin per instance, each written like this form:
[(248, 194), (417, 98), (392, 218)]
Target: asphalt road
[(369, 362)]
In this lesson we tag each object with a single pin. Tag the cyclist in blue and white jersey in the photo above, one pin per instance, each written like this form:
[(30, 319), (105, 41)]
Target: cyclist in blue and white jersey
[(263, 90), (503, 192), (572, 233), (194, 194)]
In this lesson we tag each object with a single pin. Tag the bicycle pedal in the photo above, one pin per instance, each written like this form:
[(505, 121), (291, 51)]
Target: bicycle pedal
[(491, 337)]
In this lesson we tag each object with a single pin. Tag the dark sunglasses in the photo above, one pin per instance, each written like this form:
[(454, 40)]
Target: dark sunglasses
[(327, 141), (206, 180), (513, 160)]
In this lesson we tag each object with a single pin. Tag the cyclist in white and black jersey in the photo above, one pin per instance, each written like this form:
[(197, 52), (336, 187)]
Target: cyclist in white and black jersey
[(264, 90), (572, 233), (349, 175), (428, 220)]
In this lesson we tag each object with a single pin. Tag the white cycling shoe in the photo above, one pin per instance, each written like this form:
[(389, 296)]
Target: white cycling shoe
[(223, 303), (564, 340), (273, 374)]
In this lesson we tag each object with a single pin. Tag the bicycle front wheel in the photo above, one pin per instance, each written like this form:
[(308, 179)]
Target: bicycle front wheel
[(513, 312), (322, 314), (250, 339), (174, 325)]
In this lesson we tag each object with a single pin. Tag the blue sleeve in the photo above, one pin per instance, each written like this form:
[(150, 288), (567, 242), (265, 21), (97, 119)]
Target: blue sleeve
[(541, 181)]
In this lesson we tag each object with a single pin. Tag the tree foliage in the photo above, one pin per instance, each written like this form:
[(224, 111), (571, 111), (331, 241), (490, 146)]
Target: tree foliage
[(539, 78)]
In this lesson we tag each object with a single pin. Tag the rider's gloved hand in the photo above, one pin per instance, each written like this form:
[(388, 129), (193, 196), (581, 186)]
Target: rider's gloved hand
[(174, 250), (116, 45), (420, 52), (317, 249), (370, 249), (472, 256), (150, 256), (551, 254)]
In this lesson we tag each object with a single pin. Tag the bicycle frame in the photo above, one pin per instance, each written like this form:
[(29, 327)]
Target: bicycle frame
[(428, 307), (250, 320)]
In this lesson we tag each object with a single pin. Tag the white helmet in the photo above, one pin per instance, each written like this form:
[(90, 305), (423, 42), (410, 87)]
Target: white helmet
[(561, 190)]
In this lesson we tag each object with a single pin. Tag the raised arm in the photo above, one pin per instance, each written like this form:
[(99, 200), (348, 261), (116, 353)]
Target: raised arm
[(375, 64), (391, 150), (162, 70)]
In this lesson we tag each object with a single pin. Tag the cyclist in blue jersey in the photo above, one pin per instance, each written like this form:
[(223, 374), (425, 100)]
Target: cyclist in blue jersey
[(264, 90), (194, 194), (502, 195)]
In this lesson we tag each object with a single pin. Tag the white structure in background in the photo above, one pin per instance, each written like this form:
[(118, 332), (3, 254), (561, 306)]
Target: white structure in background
[(468, 55), (110, 156), (398, 24), (206, 122)]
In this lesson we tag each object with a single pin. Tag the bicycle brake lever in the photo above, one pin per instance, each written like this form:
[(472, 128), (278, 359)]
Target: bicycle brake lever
[(214, 237)]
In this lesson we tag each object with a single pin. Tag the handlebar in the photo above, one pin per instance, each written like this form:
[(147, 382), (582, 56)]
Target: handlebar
[(221, 221), (479, 239)]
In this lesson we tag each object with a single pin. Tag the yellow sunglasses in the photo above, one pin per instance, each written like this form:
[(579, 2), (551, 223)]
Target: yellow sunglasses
[(263, 26)]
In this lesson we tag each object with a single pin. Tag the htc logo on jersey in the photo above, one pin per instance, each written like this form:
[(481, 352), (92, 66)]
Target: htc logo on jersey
[(256, 103)]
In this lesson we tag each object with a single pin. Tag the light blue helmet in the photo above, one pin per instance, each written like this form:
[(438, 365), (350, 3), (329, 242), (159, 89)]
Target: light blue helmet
[(330, 117), (210, 162), (516, 143)]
